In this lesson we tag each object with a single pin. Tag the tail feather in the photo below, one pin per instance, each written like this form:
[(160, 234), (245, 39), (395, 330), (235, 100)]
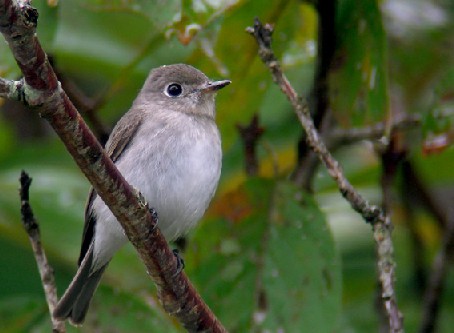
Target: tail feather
[(74, 304)]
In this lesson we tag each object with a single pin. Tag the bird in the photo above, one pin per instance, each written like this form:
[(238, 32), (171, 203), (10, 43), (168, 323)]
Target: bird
[(168, 147)]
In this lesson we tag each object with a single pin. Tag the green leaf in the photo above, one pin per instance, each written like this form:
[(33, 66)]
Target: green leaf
[(159, 13), (114, 311), (359, 89), (269, 262), (47, 24), (302, 272), (226, 48), (57, 195), (110, 311), (18, 312)]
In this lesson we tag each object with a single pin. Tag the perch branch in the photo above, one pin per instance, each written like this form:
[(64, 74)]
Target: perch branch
[(372, 214), (41, 89), (45, 270)]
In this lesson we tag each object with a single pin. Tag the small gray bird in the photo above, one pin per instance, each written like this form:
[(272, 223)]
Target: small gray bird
[(168, 147)]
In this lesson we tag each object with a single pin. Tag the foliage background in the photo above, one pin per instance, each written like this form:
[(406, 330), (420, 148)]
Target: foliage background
[(266, 256)]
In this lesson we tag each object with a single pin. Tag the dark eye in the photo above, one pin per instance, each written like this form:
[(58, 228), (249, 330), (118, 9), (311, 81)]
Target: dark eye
[(174, 90)]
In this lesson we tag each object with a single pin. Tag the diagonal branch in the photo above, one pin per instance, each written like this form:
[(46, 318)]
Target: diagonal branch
[(263, 36), (372, 214), (45, 270), (40, 88)]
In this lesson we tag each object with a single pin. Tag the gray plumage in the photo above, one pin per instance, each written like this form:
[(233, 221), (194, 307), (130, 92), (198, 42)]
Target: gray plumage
[(168, 147)]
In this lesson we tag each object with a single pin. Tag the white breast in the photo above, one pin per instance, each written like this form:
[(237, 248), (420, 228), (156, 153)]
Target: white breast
[(175, 163)]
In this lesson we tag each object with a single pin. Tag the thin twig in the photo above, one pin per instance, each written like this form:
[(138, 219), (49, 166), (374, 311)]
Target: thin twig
[(415, 196), (415, 193), (391, 158), (372, 214), (86, 105), (326, 48), (250, 134), (45, 270), (376, 131), (41, 88), (263, 36), (337, 137), (434, 291)]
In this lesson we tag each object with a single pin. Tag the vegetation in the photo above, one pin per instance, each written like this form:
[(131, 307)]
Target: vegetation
[(279, 248)]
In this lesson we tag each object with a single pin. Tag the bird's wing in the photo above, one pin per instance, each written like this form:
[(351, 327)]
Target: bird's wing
[(123, 133), (121, 136)]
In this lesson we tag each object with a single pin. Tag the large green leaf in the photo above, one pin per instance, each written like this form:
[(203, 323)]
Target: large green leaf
[(359, 80), (270, 262)]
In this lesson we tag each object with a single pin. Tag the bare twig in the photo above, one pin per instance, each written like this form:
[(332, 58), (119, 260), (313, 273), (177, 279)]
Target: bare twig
[(372, 214), (86, 105), (416, 194), (391, 158), (250, 134), (326, 46), (434, 291), (376, 131), (338, 137), (263, 36), (40, 88), (45, 270)]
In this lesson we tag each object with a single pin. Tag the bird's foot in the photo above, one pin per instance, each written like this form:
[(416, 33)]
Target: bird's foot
[(180, 261), (154, 216)]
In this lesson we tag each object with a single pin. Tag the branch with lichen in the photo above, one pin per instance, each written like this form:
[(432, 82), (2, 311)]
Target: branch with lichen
[(40, 89), (372, 214)]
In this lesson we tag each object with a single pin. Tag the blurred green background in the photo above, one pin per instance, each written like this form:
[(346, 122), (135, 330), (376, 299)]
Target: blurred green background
[(267, 256)]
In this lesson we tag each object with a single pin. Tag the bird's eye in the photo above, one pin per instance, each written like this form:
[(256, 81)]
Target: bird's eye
[(174, 90)]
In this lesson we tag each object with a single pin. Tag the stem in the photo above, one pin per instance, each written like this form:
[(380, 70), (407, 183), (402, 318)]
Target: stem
[(371, 214)]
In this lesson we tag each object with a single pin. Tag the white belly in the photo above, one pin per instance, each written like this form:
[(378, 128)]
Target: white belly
[(177, 174)]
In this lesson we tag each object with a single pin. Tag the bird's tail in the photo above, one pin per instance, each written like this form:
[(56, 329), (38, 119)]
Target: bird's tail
[(75, 302)]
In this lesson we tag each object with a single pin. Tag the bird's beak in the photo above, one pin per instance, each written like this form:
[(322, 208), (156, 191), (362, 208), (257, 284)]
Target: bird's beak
[(214, 86)]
